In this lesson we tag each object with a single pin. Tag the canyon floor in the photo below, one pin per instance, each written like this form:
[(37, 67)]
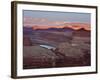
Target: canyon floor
[(69, 48)]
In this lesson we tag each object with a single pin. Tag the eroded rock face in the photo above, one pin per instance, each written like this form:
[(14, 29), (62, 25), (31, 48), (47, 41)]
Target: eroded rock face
[(65, 55), (69, 50), (27, 41), (74, 50), (37, 51), (38, 57)]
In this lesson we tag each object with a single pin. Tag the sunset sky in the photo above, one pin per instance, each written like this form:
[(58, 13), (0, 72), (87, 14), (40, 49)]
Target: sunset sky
[(46, 19)]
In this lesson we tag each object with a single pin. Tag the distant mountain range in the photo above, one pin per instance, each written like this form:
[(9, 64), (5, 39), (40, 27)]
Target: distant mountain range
[(80, 32), (63, 27), (29, 29)]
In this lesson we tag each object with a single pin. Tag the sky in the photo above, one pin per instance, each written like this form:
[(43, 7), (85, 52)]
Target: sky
[(61, 16), (53, 18)]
